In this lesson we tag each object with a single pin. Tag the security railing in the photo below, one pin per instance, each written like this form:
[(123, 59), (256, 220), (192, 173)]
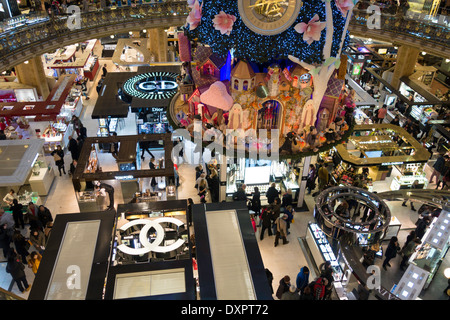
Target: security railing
[(40, 29), (18, 37), (420, 28)]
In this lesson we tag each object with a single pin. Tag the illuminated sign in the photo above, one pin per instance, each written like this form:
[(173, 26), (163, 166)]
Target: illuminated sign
[(391, 163), (152, 85), (154, 246)]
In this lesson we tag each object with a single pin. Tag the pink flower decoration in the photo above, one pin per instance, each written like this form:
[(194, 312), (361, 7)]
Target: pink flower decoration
[(344, 6), (191, 3), (311, 30), (195, 16), (224, 22)]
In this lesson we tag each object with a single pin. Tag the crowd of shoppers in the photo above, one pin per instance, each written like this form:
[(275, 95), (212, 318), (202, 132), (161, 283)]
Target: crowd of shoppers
[(23, 248)]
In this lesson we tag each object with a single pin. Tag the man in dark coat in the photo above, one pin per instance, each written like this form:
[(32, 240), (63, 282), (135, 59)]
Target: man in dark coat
[(73, 148), (272, 193), (240, 194)]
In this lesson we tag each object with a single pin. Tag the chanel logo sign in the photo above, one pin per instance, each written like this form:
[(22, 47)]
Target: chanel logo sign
[(143, 238)]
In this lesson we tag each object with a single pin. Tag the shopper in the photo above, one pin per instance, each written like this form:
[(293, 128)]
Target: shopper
[(109, 190), (414, 185), (77, 125), (48, 231), (323, 176), (281, 229), (289, 211), (283, 286), (307, 294), (198, 172), (292, 294), (269, 276), (310, 180), (396, 121), (202, 189), (16, 269), (214, 185), (240, 194), (256, 201), (326, 271), (302, 279), (37, 238), (9, 197), (22, 245), (438, 168), (44, 215), (422, 226), (34, 261), (411, 236), (189, 210), (58, 156), (408, 251), (391, 251), (287, 199), (381, 114), (266, 222), (73, 148), (272, 193), (319, 288), (104, 70), (7, 220), (145, 147), (5, 240), (17, 211)]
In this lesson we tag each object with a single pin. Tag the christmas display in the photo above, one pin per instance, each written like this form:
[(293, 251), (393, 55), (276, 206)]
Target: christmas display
[(260, 64)]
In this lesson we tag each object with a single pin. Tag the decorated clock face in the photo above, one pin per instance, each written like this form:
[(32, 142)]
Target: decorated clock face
[(269, 17)]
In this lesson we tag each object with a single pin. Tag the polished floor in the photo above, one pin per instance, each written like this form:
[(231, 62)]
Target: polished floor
[(281, 260)]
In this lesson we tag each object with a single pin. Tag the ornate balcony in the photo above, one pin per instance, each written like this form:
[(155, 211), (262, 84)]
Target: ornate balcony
[(22, 43), (429, 34), (42, 34)]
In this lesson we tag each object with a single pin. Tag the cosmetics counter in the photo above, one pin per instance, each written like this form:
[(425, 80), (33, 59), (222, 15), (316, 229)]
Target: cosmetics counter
[(153, 121), (106, 126), (65, 61), (426, 260), (261, 174), (24, 162)]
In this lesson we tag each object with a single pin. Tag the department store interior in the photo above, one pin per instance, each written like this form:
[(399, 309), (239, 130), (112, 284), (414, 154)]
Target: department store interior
[(102, 133)]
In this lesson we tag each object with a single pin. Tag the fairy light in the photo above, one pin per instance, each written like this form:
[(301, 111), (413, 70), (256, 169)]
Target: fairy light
[(257, 48)]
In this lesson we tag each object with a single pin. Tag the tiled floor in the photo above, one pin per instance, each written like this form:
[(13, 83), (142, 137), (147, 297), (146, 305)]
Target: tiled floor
[(282, 260)]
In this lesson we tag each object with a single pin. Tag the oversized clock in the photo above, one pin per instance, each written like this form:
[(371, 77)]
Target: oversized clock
[(269, 17)]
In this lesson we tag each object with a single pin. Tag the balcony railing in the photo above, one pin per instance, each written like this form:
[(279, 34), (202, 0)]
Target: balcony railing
[(41, 28), (22, 36), (421, 28)]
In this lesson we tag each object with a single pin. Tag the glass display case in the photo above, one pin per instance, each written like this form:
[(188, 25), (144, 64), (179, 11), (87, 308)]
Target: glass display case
[(405, 182), (321, 250), (42, 176), (423, 113), (92, 164), (87, 201)]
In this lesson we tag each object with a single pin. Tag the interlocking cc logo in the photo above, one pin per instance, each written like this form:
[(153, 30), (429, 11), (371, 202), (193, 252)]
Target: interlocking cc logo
[(155, 245)]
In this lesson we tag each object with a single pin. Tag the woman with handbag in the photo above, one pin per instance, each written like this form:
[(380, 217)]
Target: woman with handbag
[(202, 189), (58, 155)]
